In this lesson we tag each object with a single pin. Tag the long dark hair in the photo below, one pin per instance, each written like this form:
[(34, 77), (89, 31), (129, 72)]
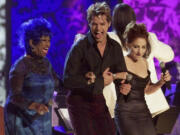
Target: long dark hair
[(122, 15)]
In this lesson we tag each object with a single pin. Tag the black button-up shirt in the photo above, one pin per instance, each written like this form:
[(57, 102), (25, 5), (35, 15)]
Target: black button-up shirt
[(85, 57)]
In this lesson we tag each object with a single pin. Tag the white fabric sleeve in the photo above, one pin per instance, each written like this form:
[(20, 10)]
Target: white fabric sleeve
[(160, 50)]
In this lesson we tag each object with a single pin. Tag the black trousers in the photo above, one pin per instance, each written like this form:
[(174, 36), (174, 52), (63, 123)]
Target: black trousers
[(90, 117)]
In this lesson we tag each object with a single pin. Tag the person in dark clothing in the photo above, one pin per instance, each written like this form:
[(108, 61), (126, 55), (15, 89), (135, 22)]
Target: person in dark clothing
[(32, 80), (132, 115), (92, 63)]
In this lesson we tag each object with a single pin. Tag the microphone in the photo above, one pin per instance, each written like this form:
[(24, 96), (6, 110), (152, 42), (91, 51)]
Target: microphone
[(163, 69), (128, 80)]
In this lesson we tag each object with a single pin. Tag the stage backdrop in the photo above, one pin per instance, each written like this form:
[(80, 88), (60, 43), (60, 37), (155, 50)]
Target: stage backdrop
[(68, 17)]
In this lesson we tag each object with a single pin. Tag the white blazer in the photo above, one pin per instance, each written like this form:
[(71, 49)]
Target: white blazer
[(156, 101)]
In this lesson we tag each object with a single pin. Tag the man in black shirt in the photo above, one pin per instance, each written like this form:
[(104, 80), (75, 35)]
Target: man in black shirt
[(92, 64)]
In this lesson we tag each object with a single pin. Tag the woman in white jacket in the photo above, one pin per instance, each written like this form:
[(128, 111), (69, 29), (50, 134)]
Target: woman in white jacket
[(123, 14)]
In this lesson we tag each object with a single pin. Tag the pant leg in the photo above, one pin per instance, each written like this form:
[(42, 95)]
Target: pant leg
[(90, 117), (105, 124), (79, 116)]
